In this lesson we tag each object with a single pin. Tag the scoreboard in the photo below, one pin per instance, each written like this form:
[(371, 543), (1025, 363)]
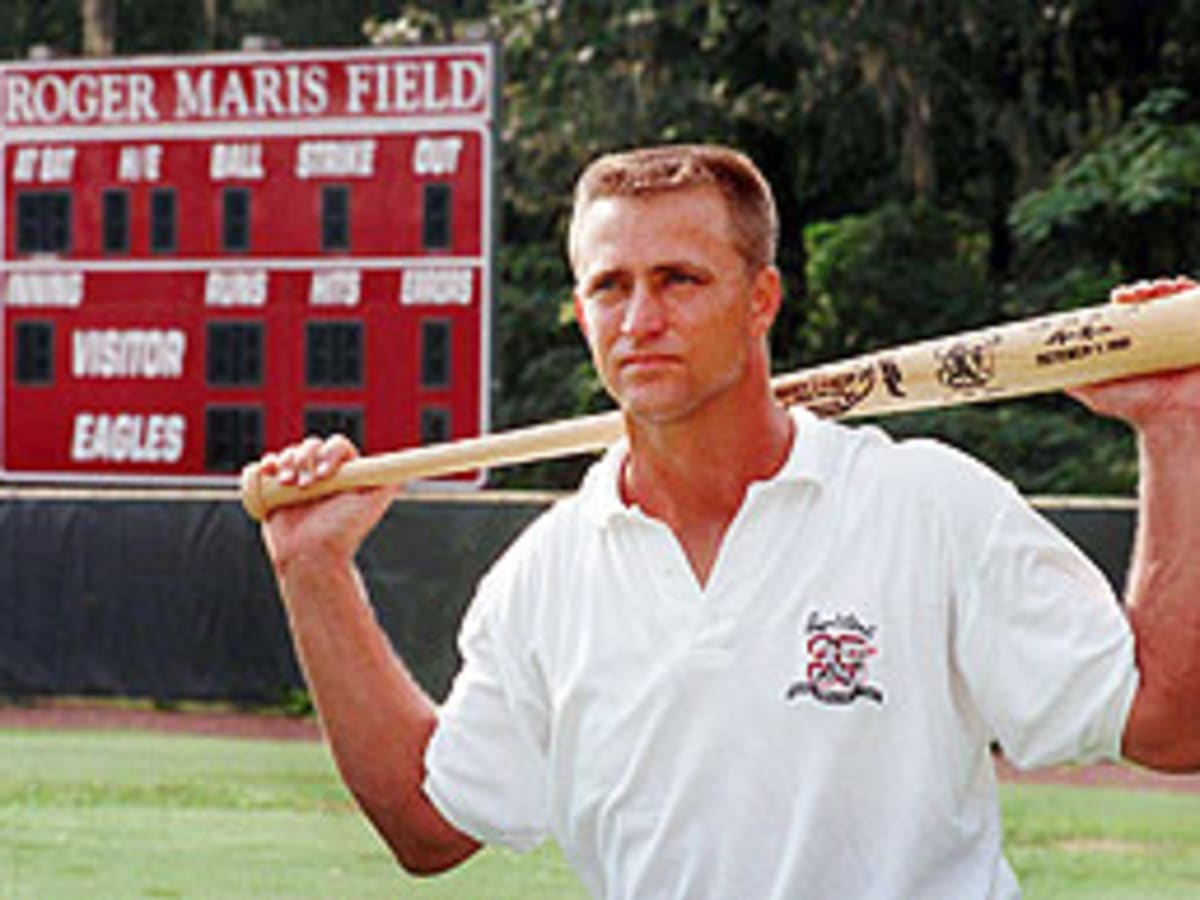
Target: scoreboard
[(208, 256)]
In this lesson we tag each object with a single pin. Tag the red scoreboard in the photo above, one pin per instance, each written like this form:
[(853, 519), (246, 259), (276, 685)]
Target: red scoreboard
[(209, 256)]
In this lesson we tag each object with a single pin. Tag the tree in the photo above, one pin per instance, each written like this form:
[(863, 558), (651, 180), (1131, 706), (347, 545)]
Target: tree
[(1131, 199)]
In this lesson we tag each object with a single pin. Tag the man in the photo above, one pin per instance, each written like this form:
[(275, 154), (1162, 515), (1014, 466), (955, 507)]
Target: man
[(757, 655)]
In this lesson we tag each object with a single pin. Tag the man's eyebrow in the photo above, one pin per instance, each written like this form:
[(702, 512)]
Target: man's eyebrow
[(592, 278), (680, 265)]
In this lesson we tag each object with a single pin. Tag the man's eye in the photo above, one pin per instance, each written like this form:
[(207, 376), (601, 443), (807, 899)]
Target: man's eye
[(681, 278)]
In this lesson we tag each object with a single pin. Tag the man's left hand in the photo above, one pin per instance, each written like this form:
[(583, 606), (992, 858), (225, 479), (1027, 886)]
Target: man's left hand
[(1146, 398)]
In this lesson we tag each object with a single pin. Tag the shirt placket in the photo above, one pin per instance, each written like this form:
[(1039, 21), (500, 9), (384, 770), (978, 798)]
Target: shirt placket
[(667, 564), (726, 595), (706, 613)]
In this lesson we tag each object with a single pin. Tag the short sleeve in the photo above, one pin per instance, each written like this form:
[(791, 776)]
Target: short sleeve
[(1044, 645), (486, 762)]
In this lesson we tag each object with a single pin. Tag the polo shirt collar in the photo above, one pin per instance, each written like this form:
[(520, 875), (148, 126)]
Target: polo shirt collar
[(811, 460)]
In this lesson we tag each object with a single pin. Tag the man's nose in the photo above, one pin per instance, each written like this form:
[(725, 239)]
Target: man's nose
[(644, 313)]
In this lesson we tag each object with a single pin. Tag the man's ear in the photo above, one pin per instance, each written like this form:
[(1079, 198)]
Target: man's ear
[(766, 296)]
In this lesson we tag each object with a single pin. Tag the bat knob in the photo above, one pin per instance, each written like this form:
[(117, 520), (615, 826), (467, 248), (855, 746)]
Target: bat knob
[(253, 500)]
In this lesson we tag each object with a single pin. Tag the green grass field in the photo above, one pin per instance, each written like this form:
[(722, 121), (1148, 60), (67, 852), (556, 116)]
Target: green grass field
[(128, 815), (1103, 844)]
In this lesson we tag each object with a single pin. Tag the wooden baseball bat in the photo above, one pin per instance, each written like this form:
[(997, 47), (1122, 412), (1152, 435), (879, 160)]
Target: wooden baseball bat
[(1038, 355)]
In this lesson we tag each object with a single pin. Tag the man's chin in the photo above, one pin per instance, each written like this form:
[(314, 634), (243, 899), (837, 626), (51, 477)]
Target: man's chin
[(655, 410)]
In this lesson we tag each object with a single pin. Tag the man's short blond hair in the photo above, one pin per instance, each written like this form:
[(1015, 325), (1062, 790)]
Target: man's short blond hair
[(676, 167)]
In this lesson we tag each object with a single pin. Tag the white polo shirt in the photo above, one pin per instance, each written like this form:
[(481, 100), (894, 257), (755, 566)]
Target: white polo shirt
[(816, 721)]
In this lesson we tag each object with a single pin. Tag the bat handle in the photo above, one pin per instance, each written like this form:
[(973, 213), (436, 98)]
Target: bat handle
[(262, 493)]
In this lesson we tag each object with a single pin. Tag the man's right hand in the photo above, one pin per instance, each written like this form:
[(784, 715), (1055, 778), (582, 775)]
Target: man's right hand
[(329, 529)]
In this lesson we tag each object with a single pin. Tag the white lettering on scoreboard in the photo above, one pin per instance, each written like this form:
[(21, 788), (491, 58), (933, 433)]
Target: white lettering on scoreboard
[(436, 156), (47, 165), (130, 353), (236, 289), (291, 90), (112, 97), (125, 437), (436, 287), (140, 163), (341, 287), (241, 161), (441, 85), (335, 159), (410, 87), (45, 290)]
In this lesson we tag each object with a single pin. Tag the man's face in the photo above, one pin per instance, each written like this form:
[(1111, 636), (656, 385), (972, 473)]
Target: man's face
[(669, 308)]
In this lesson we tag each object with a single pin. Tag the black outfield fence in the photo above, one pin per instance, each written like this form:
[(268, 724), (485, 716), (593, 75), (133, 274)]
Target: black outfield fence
[(171, 598)]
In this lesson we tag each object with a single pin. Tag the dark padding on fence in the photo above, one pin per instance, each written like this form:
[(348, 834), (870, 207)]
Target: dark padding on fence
[(174, 600)]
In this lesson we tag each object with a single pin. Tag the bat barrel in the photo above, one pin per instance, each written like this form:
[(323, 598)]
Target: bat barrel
[(1047, 353)]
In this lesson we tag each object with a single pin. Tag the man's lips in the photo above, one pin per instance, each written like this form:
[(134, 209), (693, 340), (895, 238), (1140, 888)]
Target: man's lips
[(636, 361)]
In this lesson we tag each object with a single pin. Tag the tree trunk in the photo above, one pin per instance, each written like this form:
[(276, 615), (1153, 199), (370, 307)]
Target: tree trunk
[(99, 27), (920, 167), (210, 23)]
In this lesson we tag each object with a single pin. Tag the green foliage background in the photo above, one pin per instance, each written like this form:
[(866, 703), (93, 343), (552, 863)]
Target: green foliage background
[(938, 165)]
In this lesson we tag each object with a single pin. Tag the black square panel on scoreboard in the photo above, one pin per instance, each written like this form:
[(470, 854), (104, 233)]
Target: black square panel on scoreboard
[(207, 256)]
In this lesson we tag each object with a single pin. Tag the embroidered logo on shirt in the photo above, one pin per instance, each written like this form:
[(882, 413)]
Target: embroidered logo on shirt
[(838, 651)]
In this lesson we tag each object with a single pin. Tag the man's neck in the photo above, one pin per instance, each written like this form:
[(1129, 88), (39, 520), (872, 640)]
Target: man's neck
[(693, 475)]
